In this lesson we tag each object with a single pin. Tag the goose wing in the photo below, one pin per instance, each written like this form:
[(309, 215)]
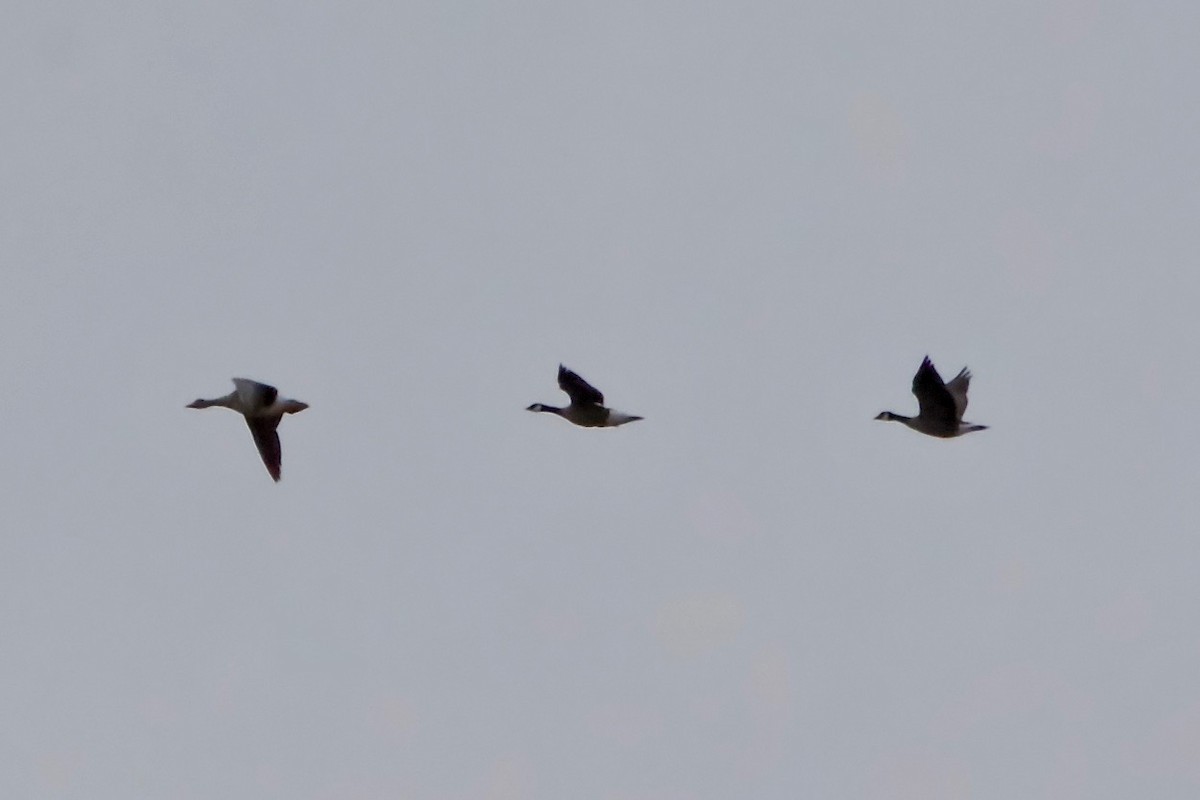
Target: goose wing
[(254, 394), (580, 391), (933, 397), (958, 391), (267, 440)]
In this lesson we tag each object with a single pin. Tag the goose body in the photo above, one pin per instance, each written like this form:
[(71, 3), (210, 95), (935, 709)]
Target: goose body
[(262, 408), (587, 404), (941, 405)]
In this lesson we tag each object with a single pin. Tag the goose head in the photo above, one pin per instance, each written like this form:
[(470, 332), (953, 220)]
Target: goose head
[(292, 406)]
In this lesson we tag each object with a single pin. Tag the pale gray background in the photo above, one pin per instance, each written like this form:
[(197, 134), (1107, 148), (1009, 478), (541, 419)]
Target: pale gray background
[(745, 221)]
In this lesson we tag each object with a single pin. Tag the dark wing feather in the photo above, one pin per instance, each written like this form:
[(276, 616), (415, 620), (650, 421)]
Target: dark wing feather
[(580, 391), (267, 439), (932, 395)]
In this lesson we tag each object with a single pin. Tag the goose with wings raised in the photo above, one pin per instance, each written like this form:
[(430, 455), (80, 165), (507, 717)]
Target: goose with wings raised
[(941, 405), (263, 408), (587, 404)]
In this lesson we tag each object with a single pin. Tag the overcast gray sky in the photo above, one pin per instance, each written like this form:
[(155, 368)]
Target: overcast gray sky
[(746, 222)]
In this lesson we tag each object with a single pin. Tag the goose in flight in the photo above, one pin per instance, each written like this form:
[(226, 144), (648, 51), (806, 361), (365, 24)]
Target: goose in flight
[(941, 404), (587, 404), (262, 407)]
